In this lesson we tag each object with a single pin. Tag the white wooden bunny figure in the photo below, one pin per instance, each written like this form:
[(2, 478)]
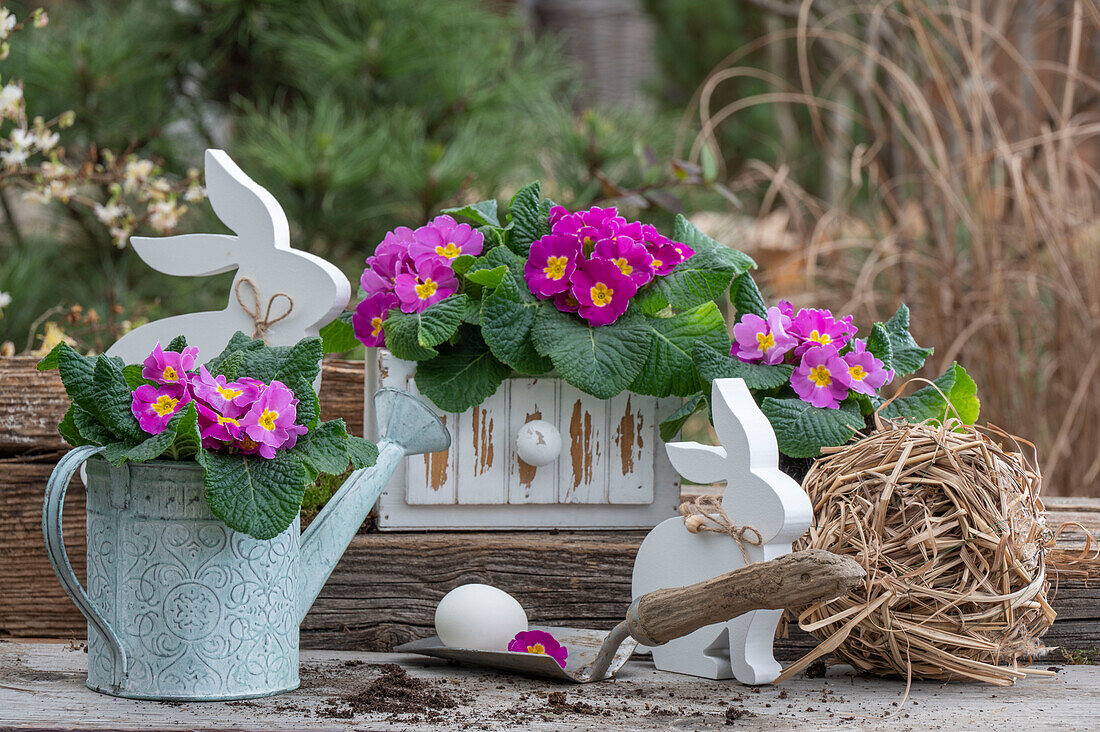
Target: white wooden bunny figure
[(279, 294), (770, 509)]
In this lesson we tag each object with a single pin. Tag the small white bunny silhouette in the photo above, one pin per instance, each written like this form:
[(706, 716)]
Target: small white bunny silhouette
[(757, 494), (313, 290)]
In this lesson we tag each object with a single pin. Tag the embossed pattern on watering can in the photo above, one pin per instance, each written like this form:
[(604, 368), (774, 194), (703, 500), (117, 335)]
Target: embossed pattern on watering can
[(203, 611)]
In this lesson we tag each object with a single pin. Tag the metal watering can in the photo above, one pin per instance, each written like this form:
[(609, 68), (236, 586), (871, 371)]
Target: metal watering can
[(180, 606)]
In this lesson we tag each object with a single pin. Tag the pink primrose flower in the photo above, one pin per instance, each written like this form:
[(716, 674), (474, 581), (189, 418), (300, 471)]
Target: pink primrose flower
[(390, 259), (867, 373), (814, 327), (154, 406), (550, 264), (369, 316), (541, 642), (431, 282), (216, 429), (445, 239), (224, 397), (822, 378), (762, 340), (169, 367), (269, 423), (602, 290), (629, 255)]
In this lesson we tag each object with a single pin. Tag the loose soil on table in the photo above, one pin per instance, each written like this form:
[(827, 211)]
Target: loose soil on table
[(398, 695)]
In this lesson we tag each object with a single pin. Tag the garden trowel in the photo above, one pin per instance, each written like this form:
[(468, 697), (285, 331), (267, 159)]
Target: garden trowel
[(791, 581)]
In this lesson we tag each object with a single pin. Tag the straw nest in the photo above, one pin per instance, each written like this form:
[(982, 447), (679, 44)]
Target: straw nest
[(948, 524)]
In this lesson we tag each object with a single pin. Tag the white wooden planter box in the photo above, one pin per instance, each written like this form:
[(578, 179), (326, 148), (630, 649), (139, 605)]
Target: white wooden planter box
[(611, 471)]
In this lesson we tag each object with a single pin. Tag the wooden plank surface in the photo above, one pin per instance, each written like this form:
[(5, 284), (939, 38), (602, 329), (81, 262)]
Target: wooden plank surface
[(41, 687)]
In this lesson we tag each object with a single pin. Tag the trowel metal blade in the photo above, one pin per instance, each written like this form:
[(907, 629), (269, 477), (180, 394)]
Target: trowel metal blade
[(583, 645)]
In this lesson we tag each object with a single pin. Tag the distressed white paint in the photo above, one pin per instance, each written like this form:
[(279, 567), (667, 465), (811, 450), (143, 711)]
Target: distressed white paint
[(609, 472), (260, 251), (757, 494)]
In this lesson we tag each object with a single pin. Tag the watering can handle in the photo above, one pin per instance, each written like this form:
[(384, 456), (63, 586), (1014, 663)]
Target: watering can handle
[(52, 507), (790, 581)]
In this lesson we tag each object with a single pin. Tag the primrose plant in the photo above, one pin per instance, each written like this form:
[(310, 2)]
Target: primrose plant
[(608, 304), (815, 380), (249, 418)]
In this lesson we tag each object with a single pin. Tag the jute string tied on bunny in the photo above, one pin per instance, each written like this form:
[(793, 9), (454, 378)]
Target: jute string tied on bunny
[(705, 513), (265, 321)]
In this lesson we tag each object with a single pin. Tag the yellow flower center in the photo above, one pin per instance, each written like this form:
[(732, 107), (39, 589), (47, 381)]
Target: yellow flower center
[(450, 251), (822, 338), (170, 374), (537, 648), (227, 420), (427, 289), (625, 268), (657, 264), (555, 267), (601, 294), (228, 393), (267, 419), (857, 372), (766, 341), (165, 405), (248, 443), (376, 325), (820, 375)]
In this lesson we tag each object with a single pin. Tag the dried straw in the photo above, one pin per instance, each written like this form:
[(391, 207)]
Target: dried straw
[(948, 524)]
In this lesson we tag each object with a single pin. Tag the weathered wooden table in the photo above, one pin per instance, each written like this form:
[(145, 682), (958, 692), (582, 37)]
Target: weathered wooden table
[(42, 687)]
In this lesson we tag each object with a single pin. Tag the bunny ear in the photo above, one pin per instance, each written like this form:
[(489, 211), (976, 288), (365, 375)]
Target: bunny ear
[(187, 255), (741, 427), (243, 205)]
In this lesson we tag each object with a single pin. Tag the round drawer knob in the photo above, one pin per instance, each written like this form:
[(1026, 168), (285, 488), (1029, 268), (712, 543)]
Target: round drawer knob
[(538, 443)]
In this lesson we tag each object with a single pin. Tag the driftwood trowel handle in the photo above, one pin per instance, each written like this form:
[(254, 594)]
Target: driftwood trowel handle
[(791, 581)]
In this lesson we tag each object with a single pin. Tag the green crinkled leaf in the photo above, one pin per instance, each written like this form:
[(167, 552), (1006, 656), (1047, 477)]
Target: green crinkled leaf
[(89, 427), (114, 398), (675, 421), (488, 277), (929, 403), (719, 364), (472, 312), (49, 361), (76, 375), (879, 346), (69, 432), (802, 429), (339, 335), (669, 369), (702, 277), (300, 362), (530, 218), (906, 355), (746, 297), (324, 449), (309, 406), (507, 316), (462, 263), (461, 376), (177, 344), (362, 452), (188, 442), (484, 213), (228, 367), (599, 361), (500, 256), (412, 336), (254, 495), (182, 429), (238, 344)]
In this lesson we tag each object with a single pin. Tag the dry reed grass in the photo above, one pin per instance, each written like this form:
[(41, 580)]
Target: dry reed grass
[(959, 159), (948, 525)]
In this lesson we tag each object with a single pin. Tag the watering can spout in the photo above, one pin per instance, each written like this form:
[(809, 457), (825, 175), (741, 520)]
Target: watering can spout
[(406, 426)]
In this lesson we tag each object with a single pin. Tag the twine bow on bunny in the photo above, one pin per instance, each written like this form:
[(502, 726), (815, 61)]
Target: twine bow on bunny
[(264, 321), (705, 513)]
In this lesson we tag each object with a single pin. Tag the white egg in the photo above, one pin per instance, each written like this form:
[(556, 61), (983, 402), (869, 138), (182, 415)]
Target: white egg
[(479, 617)]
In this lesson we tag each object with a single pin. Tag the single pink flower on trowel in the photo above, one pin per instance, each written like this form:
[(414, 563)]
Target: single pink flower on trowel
[(540, 642)]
